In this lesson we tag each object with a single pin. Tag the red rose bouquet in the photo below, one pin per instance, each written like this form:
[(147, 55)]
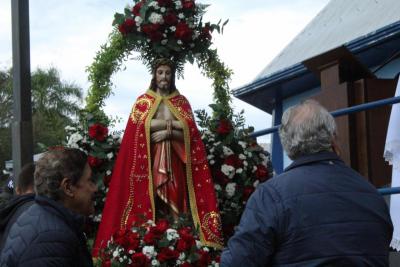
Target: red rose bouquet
[(160, 244), (166, 28)]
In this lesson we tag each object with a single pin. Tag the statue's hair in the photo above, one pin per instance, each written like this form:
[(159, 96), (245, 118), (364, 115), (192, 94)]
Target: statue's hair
[(163, 62), (307, 128), (54, 166)]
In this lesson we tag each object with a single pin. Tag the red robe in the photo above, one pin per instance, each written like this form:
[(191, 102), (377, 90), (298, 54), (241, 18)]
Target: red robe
[(131, 191)]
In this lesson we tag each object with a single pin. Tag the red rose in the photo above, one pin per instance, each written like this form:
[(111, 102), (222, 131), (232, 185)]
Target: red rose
[(133, 241), (139, 260), (162, 225), (170, 19), (188, 4), (164, 2), (186, 264), (184, 245), (119, 236), (220, 177), (98, 132), (128, 26), (233, 161), (224, 127), (167, 254), (106, 180), (262, 173), (183, 32), (206, 33), (94, 162), (106, 263), (149, 238), (155, 36), (247, 191), (205, 258), (136, 9)]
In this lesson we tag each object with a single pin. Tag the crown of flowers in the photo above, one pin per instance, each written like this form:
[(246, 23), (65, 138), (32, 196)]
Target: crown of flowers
[(170, 29)]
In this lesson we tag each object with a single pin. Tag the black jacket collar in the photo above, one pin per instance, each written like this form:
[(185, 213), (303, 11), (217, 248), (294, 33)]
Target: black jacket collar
[(74, 220), (321, 156)]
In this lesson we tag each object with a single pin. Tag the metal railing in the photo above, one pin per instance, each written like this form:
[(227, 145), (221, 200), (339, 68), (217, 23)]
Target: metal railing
[(347, 111)]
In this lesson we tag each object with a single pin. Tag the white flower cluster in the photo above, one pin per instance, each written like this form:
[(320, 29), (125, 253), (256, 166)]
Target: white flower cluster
[(228, 170), (156, 18), (230, 189)]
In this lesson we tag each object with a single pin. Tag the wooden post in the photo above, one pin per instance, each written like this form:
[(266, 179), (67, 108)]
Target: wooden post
[(22, 141)]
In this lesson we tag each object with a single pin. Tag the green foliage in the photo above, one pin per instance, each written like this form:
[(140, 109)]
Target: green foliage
[(55, 104), (107, 61)]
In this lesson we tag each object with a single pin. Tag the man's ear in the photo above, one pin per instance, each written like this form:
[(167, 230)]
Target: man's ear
[(66, 187), (18, 191)]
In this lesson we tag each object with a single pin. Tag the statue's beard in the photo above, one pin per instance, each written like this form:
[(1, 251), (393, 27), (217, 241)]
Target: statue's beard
[(164, 86)]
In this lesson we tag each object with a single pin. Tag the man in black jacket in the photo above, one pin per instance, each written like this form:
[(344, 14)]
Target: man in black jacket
[(24, 198), (318, 212), (50, 233)]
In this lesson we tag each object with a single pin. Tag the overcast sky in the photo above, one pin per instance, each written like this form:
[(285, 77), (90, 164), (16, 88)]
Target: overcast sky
[(67, 35)]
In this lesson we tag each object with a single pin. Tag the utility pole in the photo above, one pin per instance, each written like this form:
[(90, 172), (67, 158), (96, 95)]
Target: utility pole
[(22, 140)]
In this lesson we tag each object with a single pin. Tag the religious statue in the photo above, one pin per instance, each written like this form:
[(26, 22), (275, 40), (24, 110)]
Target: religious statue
[(162, 167)]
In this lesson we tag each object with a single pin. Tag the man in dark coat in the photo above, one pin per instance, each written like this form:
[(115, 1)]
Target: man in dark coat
[(318, 212), (24, 198), (50, 233)]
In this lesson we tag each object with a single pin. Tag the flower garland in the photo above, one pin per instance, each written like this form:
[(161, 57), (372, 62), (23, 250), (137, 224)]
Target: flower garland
[(161, 244)]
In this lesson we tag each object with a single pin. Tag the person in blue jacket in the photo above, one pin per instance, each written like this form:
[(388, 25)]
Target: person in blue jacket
[(49, 233), (318, 212)]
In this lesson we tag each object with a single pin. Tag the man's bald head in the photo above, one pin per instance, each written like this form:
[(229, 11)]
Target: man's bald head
[(307, 128)]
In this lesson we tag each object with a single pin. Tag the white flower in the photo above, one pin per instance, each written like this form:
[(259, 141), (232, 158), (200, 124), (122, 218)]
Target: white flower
[(172, 28), (254, 169), (181, 16), (121, 260), (230, 189), (130, 251), (138, 20), (163, 9), (240, 170), (227, 151), (228, 170), (178, 4), (245, 163), (172, 234), (110, 155), (256, 183), (179, 42), (164, 42), (70, 128), (153, 4), (212, 150), (217, 143), (182, 256), (217, 187), (139, 42), (206, 249), (178, 262), (115, 253), (156, 18), (74, 139), (108, 172), (242, 157), (249, 154), (211, 156), (198, 244), (212, 162), (148, 251), (155, 263), (242, 144)]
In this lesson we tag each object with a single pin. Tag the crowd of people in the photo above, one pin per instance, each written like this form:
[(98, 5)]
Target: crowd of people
[(318, 212)]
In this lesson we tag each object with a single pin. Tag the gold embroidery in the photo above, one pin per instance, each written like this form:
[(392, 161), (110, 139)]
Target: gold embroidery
[(141, 109), (212, 219)]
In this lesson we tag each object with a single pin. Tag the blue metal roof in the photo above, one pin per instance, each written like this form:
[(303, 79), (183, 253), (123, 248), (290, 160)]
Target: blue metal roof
[(371, 48)]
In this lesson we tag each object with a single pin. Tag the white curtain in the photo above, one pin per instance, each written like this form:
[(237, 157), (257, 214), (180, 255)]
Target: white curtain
[(392, 154)]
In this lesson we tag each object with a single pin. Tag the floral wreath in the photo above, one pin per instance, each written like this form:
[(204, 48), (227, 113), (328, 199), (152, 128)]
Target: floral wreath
[(172, 29)]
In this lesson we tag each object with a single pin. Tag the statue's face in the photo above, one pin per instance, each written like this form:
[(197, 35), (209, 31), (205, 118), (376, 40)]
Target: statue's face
[(163, 77)]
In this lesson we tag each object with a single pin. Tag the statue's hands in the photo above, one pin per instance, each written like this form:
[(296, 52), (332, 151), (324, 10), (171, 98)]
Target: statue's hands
[(159, 136)]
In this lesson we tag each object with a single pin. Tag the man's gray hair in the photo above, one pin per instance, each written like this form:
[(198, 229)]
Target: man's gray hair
[(54, 166), (307, 128)]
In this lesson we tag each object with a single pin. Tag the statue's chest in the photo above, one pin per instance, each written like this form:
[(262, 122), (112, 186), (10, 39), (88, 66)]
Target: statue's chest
[(164, 113)]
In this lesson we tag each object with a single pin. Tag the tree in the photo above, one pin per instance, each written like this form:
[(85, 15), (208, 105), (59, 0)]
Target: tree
[(55, 104)]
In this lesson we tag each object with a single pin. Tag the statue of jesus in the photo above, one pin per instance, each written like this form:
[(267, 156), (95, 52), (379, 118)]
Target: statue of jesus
[(162, 167)]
